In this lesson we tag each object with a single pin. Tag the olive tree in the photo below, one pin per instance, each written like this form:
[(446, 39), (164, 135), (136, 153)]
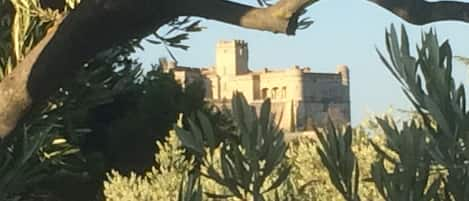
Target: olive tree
[(97, 25)]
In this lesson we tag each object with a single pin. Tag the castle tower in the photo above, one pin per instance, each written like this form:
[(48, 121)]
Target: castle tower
[(231, 58), (167, 65), (344, 74)]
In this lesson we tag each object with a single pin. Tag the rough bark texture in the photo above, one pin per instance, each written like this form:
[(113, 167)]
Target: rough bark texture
[(97, 25), (422, 12), (279, 18), (14, 95)]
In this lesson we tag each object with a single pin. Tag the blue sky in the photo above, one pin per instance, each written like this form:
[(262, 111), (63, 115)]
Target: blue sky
[(344, 32)]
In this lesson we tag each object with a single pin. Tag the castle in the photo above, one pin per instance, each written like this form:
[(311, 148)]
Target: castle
[(300, 98)]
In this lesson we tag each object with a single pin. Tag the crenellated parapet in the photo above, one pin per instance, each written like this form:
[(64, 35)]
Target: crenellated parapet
[(344, 72), (232, 58), (305, 98)]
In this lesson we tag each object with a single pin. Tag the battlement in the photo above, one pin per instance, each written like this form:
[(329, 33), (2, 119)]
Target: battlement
[(223, 43), (232, 58), (305, 97), (344, 73)]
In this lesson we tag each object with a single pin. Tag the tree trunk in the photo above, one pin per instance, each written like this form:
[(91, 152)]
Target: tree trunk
[(97, 25)]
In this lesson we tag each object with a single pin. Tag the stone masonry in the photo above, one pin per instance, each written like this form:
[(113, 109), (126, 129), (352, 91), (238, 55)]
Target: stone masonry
[(300, 97)]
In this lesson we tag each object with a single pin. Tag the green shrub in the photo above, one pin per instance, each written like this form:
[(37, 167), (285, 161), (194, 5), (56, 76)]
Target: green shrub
[(161, 183), (424, 158), (306, 179), (97, 115)]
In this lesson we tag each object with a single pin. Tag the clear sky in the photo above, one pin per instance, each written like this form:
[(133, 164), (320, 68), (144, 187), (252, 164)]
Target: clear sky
[(344, 32)]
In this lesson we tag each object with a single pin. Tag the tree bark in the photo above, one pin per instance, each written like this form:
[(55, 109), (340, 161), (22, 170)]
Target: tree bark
[(97, 25), (422, 12), (279, 18)]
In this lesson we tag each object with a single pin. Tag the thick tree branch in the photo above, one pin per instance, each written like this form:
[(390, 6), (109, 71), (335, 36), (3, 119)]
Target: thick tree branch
[(422, 12), (97, 25), (14, 96), (279, 18)]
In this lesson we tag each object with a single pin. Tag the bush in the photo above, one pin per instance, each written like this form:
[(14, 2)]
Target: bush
[(423, 158), (426, 157), (161, 183), (69, 141), (307, 178)]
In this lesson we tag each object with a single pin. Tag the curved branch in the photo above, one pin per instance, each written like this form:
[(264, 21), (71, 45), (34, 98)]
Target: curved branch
[(14, 96), (93, 27), (97, 25), (422, 12), (281, 17)]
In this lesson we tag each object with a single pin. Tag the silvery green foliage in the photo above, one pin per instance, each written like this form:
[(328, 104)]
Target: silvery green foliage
[(425, 158), (23, 23), (442, 138), (301, 184), (337, 155), (247, 160), (162, 183), (28, 156), (27, 159), (191, 188), (303, 155)]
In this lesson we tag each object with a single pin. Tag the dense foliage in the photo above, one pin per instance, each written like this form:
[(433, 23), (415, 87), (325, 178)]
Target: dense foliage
[(426, 157), (105, 119), (226, 173), (422, 158), (108, 117)]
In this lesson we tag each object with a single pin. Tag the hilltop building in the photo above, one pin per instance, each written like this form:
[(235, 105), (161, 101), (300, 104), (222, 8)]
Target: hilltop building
[(300, 97)]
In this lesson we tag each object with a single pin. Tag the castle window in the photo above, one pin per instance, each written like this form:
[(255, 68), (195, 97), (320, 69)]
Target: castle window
[(284, 92), (275, 93), (265, 93)]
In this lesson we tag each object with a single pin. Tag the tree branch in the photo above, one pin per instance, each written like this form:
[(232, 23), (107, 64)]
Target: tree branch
[(279, 18), (422, 12), (93, 27), (97, 25), (14, 96)]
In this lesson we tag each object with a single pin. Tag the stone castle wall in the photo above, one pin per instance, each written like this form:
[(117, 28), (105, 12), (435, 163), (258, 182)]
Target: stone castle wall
[(300, 98)]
